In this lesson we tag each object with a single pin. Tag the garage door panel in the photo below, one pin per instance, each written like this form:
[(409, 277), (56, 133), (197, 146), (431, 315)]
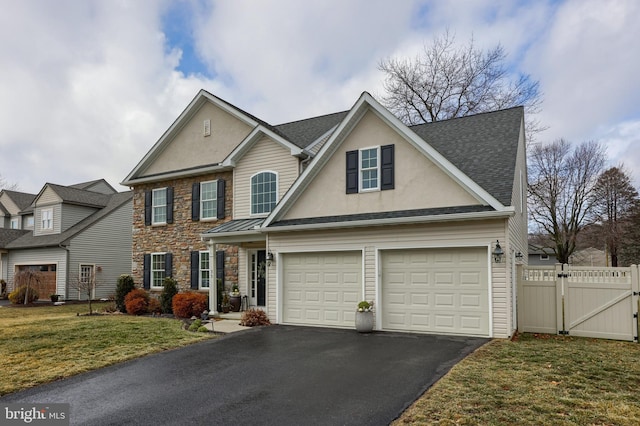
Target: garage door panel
[(329, 287), (452, 295)]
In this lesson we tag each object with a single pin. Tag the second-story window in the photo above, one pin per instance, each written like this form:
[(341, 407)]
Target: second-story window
[(369, 166), (47, 219), (209, 200), (159, 205), (264, 192), (15, 223)]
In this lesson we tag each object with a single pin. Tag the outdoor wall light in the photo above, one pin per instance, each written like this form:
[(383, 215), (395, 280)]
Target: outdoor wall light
[(519, 256), (498, 252), (269, 258)]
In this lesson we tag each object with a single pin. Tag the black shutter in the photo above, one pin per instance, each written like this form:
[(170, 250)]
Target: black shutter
[(147, 208), (220, 265), (146, 274), (195, 201), (352, 172), (170, 204), (195, 269), (387, 160), (168, 265), (220, 200)]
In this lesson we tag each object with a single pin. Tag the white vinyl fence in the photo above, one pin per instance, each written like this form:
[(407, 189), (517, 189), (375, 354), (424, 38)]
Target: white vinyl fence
[(579, 301)]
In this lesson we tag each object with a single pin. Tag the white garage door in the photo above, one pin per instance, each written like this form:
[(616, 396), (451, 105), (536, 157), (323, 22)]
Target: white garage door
[(436, 290), (321, 288)]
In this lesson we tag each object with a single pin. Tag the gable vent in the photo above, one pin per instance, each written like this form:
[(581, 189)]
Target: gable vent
[(206, 128)]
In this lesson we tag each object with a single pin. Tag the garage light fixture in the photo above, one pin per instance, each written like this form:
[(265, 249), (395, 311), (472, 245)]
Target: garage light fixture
[(269, 258), (498, 252)]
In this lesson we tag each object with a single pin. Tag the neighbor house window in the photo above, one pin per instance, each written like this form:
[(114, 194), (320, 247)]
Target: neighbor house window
[(209, 200), (15, 223), (29, 221), (205, 273), (369, 169), (158, 269), (159, 205), (47, 219), (264, 191)]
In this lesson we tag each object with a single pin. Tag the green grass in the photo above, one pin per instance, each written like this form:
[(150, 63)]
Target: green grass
[(42, 344), (537, 379)]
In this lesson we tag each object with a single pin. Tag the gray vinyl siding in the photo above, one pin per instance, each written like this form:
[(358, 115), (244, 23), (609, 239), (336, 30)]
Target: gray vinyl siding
[(73, 214), (57, 222), (107, 245), (42, 256), (25, 219), (3, 266)]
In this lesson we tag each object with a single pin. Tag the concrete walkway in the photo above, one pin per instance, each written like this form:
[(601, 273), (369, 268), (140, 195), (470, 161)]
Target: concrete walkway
[(225, 326)]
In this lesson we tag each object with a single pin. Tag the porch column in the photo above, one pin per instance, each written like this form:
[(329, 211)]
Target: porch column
[(213, 283)]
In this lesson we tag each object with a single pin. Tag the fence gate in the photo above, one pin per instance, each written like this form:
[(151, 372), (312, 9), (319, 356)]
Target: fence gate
[(579, 301)]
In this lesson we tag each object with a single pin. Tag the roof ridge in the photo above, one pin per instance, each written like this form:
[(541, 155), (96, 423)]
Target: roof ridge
[(311, 118), (467, 116)]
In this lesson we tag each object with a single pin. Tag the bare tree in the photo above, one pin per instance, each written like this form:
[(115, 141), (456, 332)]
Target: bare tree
[(629, 252), (615, 197), (446, 81), (31, 280), (561, 187), (6, 185), (86, 283)]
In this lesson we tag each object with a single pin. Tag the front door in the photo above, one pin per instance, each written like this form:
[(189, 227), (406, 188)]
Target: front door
[(258, 296)]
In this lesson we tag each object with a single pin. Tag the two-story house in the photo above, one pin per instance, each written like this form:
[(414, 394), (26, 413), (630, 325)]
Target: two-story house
[(319, 214), (68, 234)]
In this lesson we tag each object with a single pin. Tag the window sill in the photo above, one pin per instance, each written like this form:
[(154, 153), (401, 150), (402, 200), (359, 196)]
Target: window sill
[(159, 224)]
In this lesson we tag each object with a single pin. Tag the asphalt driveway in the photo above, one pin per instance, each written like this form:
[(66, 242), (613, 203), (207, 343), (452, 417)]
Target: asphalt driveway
[(275, 375)]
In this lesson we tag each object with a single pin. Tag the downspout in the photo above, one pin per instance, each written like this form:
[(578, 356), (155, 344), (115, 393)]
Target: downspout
[(66, 275), (305, 162)]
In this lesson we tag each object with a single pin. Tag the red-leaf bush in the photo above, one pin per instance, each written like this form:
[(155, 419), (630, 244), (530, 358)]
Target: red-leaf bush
[(154, 306), (186, 305), (254, 317), (137, 302)]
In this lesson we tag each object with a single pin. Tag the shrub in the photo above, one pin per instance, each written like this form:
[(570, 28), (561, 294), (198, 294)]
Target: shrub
[(254, 317), (17, 296), (154, 306), (169, 289), (195, 325), (202, 329), (137, 302), (125, 285), (186, 305)]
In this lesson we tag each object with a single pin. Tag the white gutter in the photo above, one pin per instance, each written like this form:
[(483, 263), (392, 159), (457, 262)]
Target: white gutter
[(395, 221), (184, 173)]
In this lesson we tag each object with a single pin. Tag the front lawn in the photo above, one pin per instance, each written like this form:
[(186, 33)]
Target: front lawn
[(42, 344), (537, 379)]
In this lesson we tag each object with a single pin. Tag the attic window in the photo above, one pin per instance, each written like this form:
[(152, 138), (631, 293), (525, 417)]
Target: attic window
[(206, 128)]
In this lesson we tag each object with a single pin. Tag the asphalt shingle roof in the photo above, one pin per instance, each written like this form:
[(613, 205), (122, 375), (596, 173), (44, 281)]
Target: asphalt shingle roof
[(8, 235), (303, 133), (238, 225), (482, 146), (80, 196), (22, 199)]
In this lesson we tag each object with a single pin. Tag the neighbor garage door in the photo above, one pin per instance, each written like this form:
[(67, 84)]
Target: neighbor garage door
[(436, 290), (321, 288)]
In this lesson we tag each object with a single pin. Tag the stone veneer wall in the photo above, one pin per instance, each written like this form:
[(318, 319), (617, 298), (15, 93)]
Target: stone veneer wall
[(182, 236)]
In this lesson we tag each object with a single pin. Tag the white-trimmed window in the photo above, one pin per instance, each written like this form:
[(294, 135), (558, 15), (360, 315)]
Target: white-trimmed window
[(159, 205), (370, 169), (264, 192), (15, 223), (47, 218), (209, 200), (204, 271), (158, 269), (30, 221)]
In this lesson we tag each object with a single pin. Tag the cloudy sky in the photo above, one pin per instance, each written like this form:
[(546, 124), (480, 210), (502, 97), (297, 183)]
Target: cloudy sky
[(88, 86)]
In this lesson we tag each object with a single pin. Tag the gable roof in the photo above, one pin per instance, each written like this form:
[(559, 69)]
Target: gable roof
[(28, 240), (81, 197), (303, 133), (92, 183), (488, 196), (22, 199), (481, 146)]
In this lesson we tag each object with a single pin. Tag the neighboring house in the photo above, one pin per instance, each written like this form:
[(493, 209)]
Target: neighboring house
[(541, 256), (68, 233), (322, 213)]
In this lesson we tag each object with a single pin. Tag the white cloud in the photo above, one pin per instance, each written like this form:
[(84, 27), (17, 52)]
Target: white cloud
[(88, 87)]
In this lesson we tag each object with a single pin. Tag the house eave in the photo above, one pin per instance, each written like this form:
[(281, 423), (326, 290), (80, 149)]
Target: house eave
[(177, 174), (456, 217)]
